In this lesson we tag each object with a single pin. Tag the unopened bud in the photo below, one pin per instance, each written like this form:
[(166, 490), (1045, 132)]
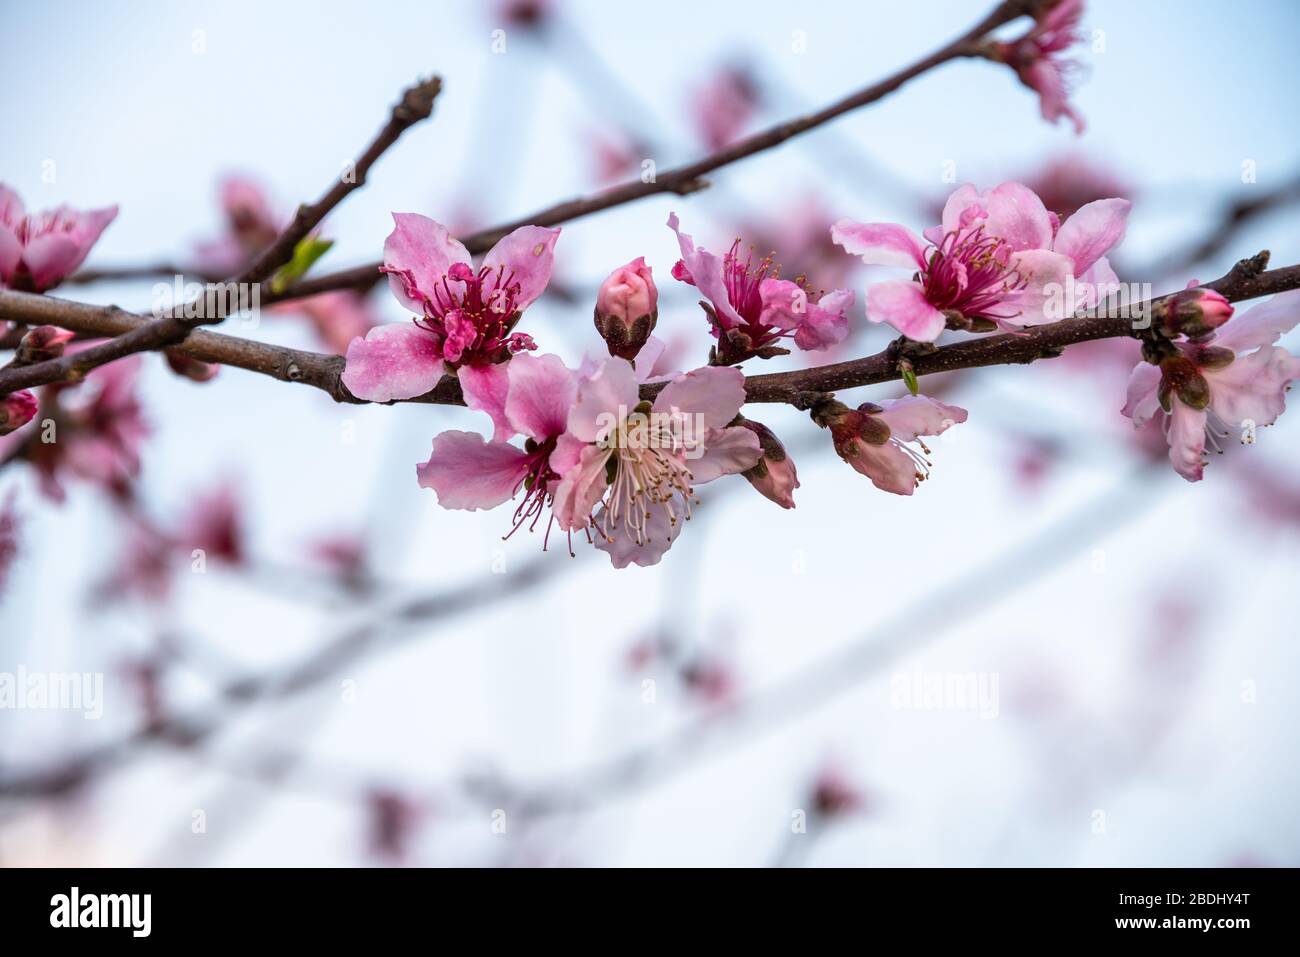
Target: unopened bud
[(16, 410), (190, 367), (41, 344), (627, 308), (774, 474), (1193, 313)]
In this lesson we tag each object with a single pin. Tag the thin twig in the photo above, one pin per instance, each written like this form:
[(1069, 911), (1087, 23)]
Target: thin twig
[(416, 104)]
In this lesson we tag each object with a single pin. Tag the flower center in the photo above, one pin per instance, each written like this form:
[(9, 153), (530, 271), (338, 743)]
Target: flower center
[(537, 482), (645, 472), (474, 313), (970, 273)]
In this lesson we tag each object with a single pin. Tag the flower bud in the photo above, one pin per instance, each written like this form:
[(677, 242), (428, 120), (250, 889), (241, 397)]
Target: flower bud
[(16, 410), (627, 308), (774, 474), (41, 344), (189, 367), (1193, 313)]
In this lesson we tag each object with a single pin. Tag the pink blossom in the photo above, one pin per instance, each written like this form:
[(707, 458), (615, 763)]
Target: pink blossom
[(723, 106), (469, 473), (627, 307), (465, 318), (834, 794), (630, 468), (96, 435), (877, 439), (1034, 58), (251, 224), (16, 410), (998, 258), (751, 309), (215, 526), (1235, 382), (40, 250)]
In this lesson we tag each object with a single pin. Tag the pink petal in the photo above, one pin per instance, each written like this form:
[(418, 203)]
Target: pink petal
[(888, 466), (1048, 276), (727, 452), (542, 391), (714, 393), (705, 271), (486, 389), (604, 399), (1094, 230), (1262, 324), (527, 256), (826, 323), (1143, 399), (581, 488), (1187, 441), (50, 258), (394, 361), (660, 533), (11, 206), (880, 244), (1016, 214), (1253, 387), (963, 206), (469, 473), (915, 415), (418, 253), (903, 305), (10, 252)]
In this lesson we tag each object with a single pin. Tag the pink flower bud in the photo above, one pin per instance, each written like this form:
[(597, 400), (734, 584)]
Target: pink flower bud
[(1193, 313), (774, 475), (16, 410), (42, 343), (190, 367), (627, 308)]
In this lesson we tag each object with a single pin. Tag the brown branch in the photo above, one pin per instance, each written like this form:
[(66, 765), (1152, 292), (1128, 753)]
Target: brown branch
[(683, 180), (415, 105), (1246, 280)]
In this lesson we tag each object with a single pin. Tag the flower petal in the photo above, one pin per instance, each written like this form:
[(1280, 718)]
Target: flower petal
[(623, 550), (902, 304), (1143, 399), (914, 415), (1047, 277), (714, 393), (705, 272), (1253, 388), (880, 244), (542, 390), (604, 399), (1017, 215), (1094, 230), (1186, 436), (417, 255), (726, 452), (469, 473), (1261, 325), (398, 360), (486, 389), (581, 488), (526, 257), (10, 252), (888, 466)]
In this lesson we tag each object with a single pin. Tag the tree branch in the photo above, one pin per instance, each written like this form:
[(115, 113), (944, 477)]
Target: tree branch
[(1246, 280), (415, 105), (683, 180)]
